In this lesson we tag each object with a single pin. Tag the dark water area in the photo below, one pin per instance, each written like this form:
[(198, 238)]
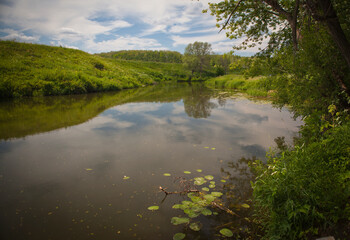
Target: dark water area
[(89, 166)]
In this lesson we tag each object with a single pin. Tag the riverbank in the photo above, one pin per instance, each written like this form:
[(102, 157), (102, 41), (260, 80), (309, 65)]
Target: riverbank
[(260, 86), (39, 70)]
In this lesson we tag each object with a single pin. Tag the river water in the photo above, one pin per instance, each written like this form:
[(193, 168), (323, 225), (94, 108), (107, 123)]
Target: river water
[(89, 166)]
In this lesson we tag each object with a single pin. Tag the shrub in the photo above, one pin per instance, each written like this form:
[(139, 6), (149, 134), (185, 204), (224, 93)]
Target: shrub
[(305, 191)]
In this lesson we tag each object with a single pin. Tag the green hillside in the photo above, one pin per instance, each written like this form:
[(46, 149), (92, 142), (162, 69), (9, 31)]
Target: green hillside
[(39, 70), (145, 55)]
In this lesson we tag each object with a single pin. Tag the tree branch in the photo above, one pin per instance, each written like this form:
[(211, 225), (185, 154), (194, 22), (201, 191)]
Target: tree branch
[(231, 14)]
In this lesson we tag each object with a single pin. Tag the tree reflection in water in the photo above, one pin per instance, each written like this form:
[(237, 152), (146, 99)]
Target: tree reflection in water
[(198, 104)]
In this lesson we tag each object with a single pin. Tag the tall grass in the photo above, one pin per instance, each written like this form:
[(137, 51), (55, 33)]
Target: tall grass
[(258, 86)]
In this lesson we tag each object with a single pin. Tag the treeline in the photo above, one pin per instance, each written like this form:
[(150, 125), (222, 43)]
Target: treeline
[(145, 55)]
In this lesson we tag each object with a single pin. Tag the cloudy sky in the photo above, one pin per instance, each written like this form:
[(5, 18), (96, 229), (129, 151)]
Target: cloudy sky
[(111, 25)]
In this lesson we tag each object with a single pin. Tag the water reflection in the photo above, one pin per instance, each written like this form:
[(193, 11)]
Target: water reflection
[(69, 183), (22, 117)]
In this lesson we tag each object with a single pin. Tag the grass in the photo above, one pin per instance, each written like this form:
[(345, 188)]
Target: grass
[(39, 70), (257, 86)]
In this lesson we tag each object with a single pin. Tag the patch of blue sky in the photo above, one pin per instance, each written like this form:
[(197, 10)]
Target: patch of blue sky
[(104, 37), (134, 30)]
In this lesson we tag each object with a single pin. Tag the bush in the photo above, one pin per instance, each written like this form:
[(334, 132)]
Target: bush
[(305, 191)]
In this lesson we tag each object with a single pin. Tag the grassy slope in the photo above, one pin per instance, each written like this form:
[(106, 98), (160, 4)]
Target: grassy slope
[(257, 86), (39, 70)]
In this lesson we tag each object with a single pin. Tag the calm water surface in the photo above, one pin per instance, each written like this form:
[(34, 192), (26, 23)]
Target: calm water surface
[(63, 161)]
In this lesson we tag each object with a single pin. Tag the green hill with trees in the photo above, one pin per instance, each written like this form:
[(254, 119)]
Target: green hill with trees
[(39, 70), (145, 55)]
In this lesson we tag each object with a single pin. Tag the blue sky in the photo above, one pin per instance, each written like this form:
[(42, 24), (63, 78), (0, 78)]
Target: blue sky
[(110, 25)]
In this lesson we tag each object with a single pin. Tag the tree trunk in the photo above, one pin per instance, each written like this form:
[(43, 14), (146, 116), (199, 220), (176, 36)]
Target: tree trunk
[(334, 28)]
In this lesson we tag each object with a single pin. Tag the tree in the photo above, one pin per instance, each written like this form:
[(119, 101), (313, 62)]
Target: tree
[(308, 37), (256, 19), (197, 56)]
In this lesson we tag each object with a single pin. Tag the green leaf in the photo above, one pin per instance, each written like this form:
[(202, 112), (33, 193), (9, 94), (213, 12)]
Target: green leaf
[(178, 220), (199, 170), (217, 194), (195, 226), (199, 181), (209, 197), (205, 189), (167, 174), (212, 185), (126, 178), (209, 177), (187, 172), (88, 169), (226, 232), (206, 212), (153, 208), (179, 236), (245, 205), (191, 213), (212, 182), (177, 206), (222, 180)]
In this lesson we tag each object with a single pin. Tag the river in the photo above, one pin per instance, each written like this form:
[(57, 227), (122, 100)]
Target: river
[(90, 166)]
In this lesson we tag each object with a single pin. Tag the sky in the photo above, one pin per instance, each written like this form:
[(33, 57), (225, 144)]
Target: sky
[(96, 26)]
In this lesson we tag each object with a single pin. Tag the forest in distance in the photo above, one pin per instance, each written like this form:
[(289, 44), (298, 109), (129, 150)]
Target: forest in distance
[(303, 190)]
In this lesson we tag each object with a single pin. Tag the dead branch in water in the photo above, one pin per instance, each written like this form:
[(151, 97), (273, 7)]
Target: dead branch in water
[(182, 192)]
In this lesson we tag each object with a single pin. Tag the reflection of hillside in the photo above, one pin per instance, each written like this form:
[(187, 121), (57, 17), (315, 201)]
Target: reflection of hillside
[(23, 117)]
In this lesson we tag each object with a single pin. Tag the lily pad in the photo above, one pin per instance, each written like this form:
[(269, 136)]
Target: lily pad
[(199, 181), (191, 213), (206, 212), (88, 169), (212, 182), (212, 185), (199, 170), (178, 220), (153, 208), (222, 180), (125, 177), (245, 205), (213, 148), (177, 206), (226, 232), (217, 194), (209, 177), (187, 172), (209, 197), (195, 226), (205, 189), (167, 174), (179, 236)]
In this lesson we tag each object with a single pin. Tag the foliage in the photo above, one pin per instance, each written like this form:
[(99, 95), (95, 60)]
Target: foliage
[(306, 48), (197, 57), (145, 55), (38, 70), (304, 191), (257, 86)]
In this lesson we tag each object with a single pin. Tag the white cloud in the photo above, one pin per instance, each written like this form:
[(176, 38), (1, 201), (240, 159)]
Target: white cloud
[(126, 23), (179, 29), (18, 36), (123, 43)]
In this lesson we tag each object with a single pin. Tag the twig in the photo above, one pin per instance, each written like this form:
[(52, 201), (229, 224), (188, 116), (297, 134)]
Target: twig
[(223, 208), (186, 191)]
